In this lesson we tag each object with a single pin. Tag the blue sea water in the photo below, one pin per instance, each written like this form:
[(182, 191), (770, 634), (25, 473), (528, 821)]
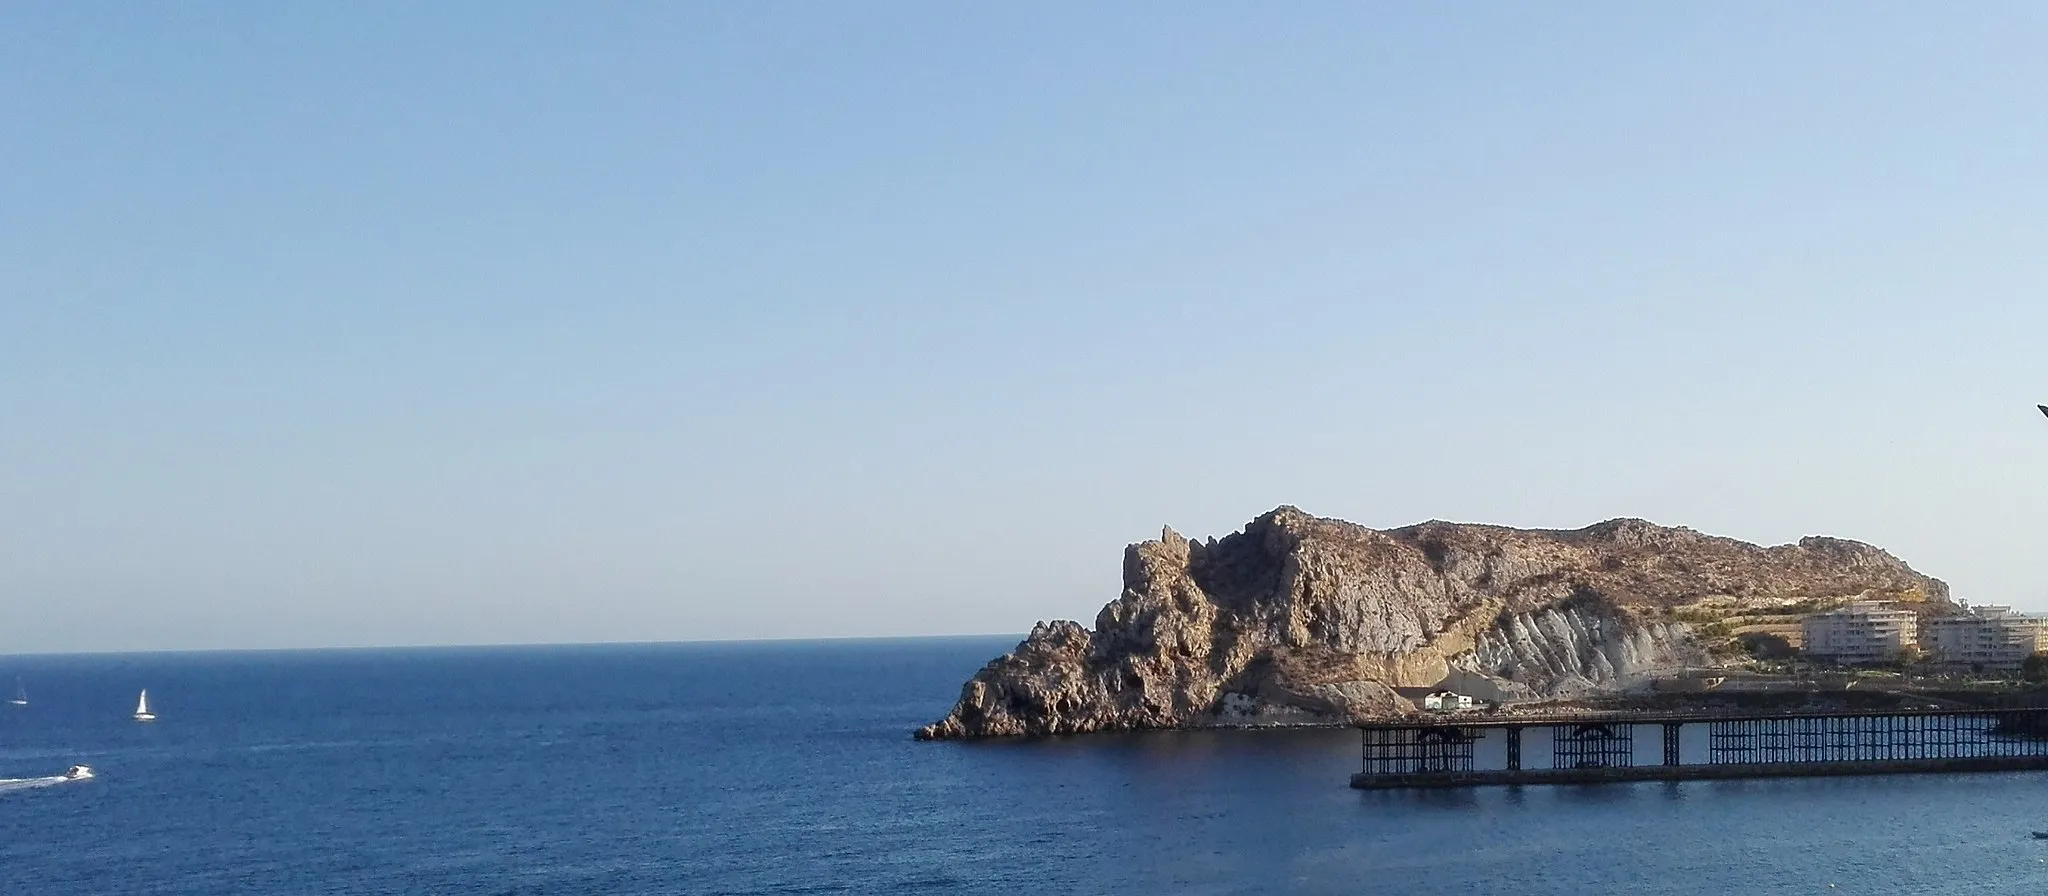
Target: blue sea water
[(788, 768)]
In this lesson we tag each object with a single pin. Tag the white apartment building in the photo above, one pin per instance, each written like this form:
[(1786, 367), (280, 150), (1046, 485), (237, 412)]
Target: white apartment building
[(1989, 636), (1862, 632)]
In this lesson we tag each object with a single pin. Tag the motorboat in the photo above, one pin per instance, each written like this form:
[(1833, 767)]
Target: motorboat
[(2041, 835), (78, 773)]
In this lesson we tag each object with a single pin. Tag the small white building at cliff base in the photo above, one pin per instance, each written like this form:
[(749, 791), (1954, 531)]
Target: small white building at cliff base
[(1446, 701)]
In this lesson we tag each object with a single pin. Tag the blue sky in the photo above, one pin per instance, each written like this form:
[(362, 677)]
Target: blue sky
[(477, 323)]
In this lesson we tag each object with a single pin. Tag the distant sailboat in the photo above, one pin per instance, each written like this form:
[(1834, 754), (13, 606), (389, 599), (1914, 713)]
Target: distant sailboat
[(20, 694), (142, 713)]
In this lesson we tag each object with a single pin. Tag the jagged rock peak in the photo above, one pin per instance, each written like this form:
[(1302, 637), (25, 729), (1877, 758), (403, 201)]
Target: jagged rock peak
[(1303, 619)]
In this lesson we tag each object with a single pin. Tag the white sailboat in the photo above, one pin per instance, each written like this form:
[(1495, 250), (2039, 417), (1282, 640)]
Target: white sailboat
[(142, 713), (20, 694)]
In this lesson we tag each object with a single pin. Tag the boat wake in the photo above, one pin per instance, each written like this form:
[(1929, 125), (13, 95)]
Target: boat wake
[(10, 785), (76, 773)]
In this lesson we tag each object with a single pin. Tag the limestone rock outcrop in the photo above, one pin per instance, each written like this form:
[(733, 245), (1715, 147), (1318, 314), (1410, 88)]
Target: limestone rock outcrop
[(1304, 620)]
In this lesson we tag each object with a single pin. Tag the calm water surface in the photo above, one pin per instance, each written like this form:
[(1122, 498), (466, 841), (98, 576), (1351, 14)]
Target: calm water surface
[(788, 768)]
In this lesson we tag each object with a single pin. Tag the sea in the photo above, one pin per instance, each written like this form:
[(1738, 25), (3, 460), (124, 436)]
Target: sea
[(789, 767)]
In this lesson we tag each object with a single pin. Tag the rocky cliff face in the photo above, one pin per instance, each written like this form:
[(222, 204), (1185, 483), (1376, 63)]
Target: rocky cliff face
[(1299, 619)]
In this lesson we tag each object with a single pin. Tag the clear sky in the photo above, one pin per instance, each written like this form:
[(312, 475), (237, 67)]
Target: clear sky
[(405, 323)]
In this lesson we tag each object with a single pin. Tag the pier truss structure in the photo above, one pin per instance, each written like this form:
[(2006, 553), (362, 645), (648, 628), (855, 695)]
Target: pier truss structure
[(1455, 749)]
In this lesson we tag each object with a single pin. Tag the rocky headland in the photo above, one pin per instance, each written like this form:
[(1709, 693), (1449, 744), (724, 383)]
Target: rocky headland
[(1301, 620)]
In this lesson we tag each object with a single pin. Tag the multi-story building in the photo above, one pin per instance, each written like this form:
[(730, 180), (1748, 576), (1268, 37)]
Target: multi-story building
[(1862, 632), (1988, 637)]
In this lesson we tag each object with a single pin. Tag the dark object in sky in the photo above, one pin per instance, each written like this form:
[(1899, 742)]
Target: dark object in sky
[(2043, 407)]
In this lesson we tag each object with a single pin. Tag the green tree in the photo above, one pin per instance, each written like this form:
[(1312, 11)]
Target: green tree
[(2035, 668)]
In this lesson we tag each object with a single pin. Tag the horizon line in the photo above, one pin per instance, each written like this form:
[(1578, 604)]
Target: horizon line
[(7, 655)]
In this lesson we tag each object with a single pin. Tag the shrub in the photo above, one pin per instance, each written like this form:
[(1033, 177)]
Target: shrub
[(2035, 668)]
